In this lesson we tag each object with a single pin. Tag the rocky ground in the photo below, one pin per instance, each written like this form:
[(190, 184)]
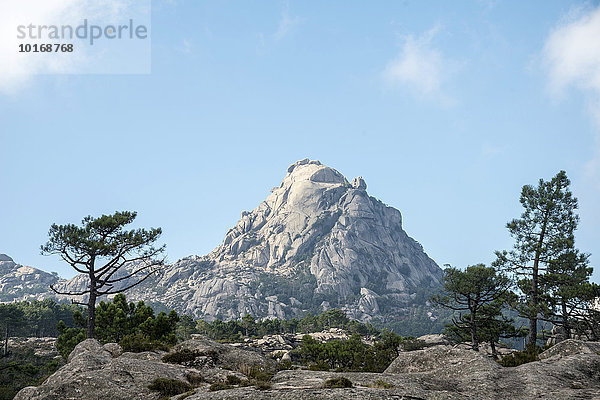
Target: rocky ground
[(569, 370)]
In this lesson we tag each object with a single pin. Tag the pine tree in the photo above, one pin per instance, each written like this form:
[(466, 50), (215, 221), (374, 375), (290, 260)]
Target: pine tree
[(478, 294), (544, 231), (568, 294), (100, 249)]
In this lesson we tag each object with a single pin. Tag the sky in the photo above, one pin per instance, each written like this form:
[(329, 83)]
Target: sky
[(446, 109)]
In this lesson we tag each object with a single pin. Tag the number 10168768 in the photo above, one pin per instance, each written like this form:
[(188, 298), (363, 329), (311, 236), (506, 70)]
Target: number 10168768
[(46, 48)]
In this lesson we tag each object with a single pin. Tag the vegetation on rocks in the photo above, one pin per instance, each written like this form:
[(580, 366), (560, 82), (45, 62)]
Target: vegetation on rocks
[(340, 382), (133, 326), (350, 355), (169, 387), (22, 367)]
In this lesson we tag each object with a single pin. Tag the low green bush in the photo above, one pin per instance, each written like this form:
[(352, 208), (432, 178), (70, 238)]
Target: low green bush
[(340, 382), (262, 385), (219, 386), (233, 380), (137, 342), (381, 384), (181, 356), (520, 357), (169, 387)]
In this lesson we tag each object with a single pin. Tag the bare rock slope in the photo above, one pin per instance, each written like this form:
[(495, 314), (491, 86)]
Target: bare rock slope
[(20, 282), (317, 241)]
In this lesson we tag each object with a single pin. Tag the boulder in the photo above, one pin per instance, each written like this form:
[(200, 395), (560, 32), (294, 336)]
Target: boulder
[(571, 347), (224, 356), (114, 349), (92, 373)]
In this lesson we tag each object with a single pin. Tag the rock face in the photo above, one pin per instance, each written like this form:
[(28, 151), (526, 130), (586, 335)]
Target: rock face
[(18, 282), (316, 242)]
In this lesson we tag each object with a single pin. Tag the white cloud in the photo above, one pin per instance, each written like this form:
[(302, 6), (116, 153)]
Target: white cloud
[(17, 69), (571, 55), (421, 67)]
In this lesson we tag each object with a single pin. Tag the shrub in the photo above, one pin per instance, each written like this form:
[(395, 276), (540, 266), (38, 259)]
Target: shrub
[(233, 380), (381, 384), (340, 382), (194, 378), (520, 357), (412, 344), (318, 367), (169, 387), (259, 374), (136, 343), (284, 365), (262, 385), (219, 386), (181, 356)]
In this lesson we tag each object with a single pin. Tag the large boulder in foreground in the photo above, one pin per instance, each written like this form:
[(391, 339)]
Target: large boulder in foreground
[(100, 372)]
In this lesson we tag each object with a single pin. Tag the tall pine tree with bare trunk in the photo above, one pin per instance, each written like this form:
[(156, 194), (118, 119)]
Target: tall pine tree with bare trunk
[(544, 232), (113, 259)]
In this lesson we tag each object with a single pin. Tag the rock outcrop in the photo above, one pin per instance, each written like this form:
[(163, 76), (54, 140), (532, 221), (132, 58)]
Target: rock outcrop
[(316, 242), (101, 372), (19, 282), (438, 372)]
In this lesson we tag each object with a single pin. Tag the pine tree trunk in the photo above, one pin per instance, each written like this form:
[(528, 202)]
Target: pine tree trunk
[(6, 342), (532, 337), (91, 325), (474, 338), (565, 320)]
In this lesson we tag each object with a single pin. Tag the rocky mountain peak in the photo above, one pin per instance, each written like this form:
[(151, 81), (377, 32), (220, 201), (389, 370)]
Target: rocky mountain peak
[(4, 257), (316, 242)]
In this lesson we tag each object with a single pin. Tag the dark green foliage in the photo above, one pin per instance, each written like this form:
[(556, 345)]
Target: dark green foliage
[(340, 382), (100, 248), (233, 380), (381, 384), (262, 385), (235, 330), (544, 232), (138, 342), (520, 357), (412, 344), (169, 387), (349, 355), (259, 374), (68, 338), (219, 386), (133, 326), (567, 294), (36, 318), (117, 319), (478, 294), (23, 368), (181, 356), (185, 328)]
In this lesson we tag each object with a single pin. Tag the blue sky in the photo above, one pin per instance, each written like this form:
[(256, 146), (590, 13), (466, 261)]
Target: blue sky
[(445, 108)]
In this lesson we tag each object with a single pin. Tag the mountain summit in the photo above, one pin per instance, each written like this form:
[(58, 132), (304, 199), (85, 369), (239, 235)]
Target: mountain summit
[(318, 241)]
